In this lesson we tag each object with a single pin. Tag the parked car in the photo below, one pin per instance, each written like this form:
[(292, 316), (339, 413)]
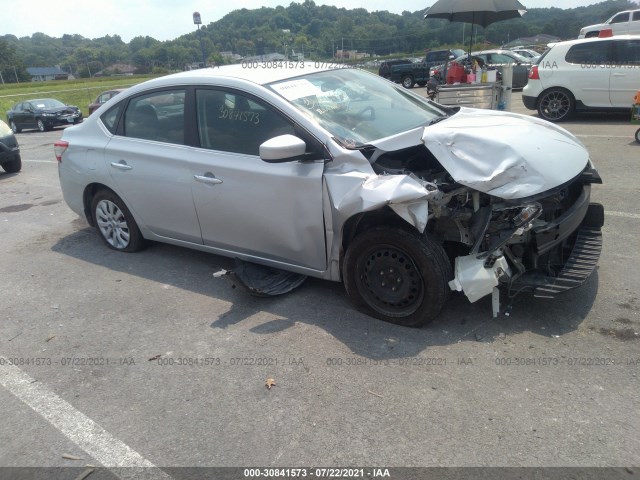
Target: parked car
[(398, 197), (585, 74), (627, 22), (102, 98), (497, 58), (9, 150), (409, 74), (531, 55), (42, 114)]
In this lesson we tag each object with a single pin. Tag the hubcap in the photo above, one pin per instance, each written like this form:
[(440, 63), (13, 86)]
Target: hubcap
[(112, 224), (390, 281)]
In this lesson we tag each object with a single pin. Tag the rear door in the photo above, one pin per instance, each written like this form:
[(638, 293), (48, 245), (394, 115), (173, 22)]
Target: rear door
[(620, 23), (587, 72), (625, 72), (149, 163)]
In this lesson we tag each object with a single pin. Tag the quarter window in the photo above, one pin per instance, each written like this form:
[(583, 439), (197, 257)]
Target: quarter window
[(110, 118), (232, 122)]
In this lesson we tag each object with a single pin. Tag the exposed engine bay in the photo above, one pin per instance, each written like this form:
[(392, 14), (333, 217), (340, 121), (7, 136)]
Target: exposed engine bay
[(521, 245)]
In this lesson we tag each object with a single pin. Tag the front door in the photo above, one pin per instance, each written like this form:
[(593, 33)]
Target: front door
[(245, 205)]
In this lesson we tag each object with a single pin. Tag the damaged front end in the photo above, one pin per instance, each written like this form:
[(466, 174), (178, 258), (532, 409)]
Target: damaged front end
[(513, 216)]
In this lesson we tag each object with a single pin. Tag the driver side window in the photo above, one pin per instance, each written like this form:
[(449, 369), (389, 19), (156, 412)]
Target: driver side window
[(232, 122)]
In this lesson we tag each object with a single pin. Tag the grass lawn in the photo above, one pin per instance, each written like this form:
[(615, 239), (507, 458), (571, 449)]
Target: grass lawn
[(71, 92)]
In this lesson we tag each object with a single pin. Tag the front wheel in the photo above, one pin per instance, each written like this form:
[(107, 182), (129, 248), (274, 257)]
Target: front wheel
[(397, 276), (407, 81), (556, 105), (115, 224), (41, 126), (14, 166)]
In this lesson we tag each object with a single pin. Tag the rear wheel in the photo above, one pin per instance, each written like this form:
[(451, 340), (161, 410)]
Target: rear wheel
[(556, 105), (115, 224), (13, 166), (397, 276), (408, 81), (14, 127), (638, 135)]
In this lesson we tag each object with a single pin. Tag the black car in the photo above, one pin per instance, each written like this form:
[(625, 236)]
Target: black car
[(9, 150), (42, 114)]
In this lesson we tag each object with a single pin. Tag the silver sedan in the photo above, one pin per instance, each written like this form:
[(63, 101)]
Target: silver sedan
[(303, 170)]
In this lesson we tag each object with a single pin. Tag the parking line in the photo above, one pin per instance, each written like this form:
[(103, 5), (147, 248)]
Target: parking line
[(76, 426), (606, 136), (622, 214)]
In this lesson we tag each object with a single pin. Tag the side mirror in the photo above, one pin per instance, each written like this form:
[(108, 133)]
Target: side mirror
[(284, 148)]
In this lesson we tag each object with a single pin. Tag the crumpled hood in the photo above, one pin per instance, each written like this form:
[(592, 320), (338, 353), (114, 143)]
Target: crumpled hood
[(505, 154)]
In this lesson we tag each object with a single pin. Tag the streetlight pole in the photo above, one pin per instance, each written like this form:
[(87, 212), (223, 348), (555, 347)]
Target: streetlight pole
[(198, 21)]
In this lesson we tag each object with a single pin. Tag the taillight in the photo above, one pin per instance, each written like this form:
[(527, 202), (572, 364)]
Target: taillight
[(59, 148), (533, 74)]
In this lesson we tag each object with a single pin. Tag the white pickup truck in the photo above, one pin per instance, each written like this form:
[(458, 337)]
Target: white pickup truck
[(627, 22)]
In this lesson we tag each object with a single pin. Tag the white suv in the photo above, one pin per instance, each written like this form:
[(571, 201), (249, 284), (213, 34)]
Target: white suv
[(627, 22), (586, 74)]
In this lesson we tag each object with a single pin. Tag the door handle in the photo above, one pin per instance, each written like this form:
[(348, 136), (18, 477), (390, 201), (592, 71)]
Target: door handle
[(207, 178), (121, 165)]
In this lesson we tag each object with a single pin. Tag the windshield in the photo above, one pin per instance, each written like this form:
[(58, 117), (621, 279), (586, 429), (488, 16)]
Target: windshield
[(355, 106), (47, 103)]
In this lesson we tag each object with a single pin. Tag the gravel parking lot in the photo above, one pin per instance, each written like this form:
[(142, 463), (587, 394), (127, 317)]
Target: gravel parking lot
[(142, 360)]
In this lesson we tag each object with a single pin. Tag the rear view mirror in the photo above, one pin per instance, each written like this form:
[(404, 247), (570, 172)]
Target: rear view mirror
[(284, 148)]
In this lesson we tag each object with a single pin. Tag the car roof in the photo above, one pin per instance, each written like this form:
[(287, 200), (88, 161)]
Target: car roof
[(594, 39), (257, 72)]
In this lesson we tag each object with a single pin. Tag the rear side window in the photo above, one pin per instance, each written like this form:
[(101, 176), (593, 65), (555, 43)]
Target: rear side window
[(620, 18), (157, 116), (590, 53), (628, 52)]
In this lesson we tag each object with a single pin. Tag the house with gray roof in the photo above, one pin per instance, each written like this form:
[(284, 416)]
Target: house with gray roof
[(42, 74)]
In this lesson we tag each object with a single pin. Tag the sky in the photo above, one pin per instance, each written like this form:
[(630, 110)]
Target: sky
[(169, 19)]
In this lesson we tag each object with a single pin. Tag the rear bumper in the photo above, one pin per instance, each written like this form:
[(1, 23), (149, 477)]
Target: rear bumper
[(529, 102)]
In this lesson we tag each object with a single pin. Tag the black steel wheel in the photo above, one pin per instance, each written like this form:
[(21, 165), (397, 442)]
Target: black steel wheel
[(115, 224), (397, 276), (556, 105), (638, 135)]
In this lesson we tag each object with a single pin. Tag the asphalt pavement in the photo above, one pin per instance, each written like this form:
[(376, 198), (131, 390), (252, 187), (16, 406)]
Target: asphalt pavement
[(146, 360)]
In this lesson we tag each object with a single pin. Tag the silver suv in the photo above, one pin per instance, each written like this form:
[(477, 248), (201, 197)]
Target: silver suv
[(584, 74)]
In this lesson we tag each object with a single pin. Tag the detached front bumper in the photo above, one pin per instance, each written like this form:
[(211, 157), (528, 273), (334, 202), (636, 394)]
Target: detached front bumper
[(560, 255), (578, 231)]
